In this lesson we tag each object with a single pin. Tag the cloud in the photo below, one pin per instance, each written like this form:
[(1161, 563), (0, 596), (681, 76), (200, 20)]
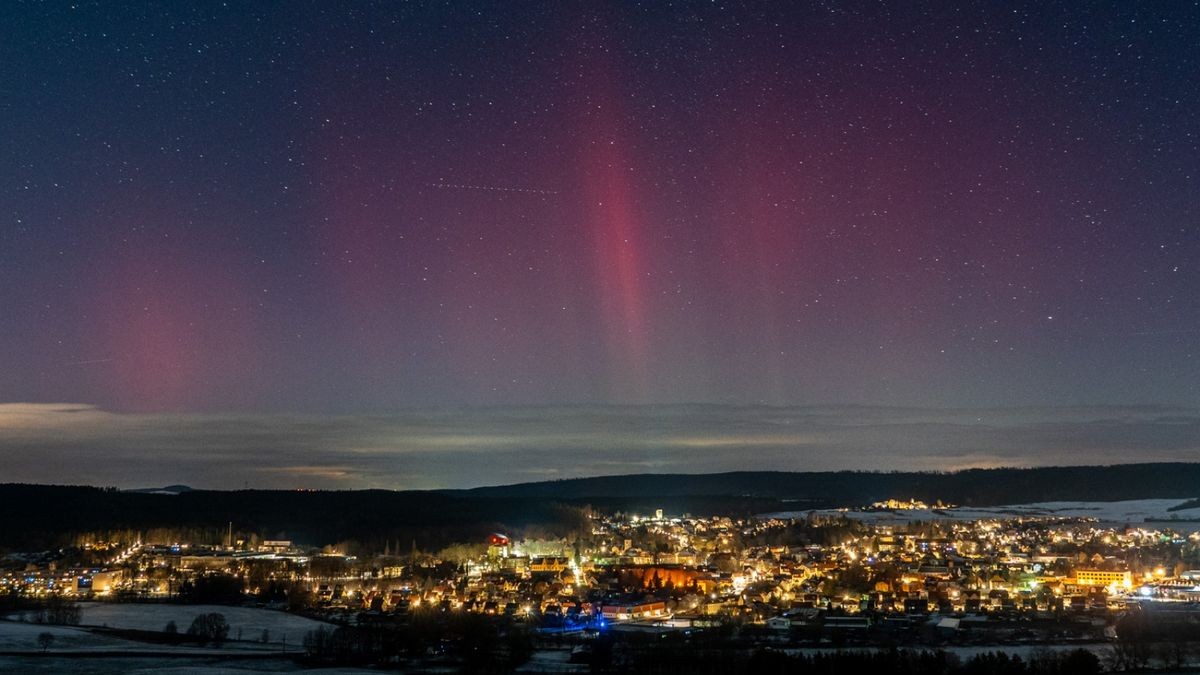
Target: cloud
[(321, 472), (76, 443)]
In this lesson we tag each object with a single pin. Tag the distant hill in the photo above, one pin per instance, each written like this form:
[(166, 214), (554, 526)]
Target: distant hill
[(37, 517), (34, 517), (978, 487), (167, 490)]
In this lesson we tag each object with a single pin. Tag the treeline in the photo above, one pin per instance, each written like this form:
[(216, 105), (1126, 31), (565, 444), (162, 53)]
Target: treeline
[(661, 660), (978, 487), (51, 609), (38, 517), (1189, 504), (479, 643)]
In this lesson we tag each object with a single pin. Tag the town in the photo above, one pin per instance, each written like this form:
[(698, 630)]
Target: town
[(821, 579)]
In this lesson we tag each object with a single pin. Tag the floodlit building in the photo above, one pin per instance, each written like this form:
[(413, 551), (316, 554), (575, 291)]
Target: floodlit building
[(1104, 578)]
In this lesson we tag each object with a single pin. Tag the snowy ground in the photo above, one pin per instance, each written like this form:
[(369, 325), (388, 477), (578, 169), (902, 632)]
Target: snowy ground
[(249, 622), (552, 661), (158, 666), (21, 636), (79, 651), (965, 653), (246, 622), (68, 640), (1134, 512)]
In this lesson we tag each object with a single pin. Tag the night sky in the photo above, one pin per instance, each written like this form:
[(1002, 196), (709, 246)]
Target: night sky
[(333, 209)]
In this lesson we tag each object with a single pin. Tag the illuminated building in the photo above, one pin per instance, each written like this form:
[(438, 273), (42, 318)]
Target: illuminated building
[(1103, 578)]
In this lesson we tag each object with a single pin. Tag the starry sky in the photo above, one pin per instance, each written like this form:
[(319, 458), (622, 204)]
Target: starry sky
[(334, 209)]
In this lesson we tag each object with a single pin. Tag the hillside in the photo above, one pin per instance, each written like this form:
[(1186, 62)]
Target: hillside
[(981, 487), (40, 516)]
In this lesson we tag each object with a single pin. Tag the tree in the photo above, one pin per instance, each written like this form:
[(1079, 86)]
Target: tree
[(1074, 662), (59, 611), (44, 640), (1078, 662), (1176, 647), (213, 589), (211, 626), (1131, 650)]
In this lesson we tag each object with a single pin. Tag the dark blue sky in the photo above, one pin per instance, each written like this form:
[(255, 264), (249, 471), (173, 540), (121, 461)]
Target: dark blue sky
[(343, 207)]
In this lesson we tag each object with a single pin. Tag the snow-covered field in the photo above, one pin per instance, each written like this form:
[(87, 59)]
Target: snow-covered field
[(79, 651), (1133, 512), (158, 666), (21, 636), (965, 653), (228, 670), (249, 622)]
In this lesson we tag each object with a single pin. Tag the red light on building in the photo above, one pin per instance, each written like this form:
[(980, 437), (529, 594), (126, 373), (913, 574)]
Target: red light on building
[(498, 540)]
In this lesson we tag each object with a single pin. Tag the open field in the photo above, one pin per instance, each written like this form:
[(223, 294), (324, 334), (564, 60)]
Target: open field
[(248, 622), (1133, 512), (54, 665), (82, 650)]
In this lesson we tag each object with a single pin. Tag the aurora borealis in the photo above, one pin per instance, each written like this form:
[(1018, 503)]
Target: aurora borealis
[(356, 208)]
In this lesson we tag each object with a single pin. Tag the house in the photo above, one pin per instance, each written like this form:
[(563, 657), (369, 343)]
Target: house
[(633, 610), (805, 616)]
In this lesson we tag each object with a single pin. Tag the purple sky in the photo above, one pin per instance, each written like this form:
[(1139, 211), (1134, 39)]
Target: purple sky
[(328, 211)]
